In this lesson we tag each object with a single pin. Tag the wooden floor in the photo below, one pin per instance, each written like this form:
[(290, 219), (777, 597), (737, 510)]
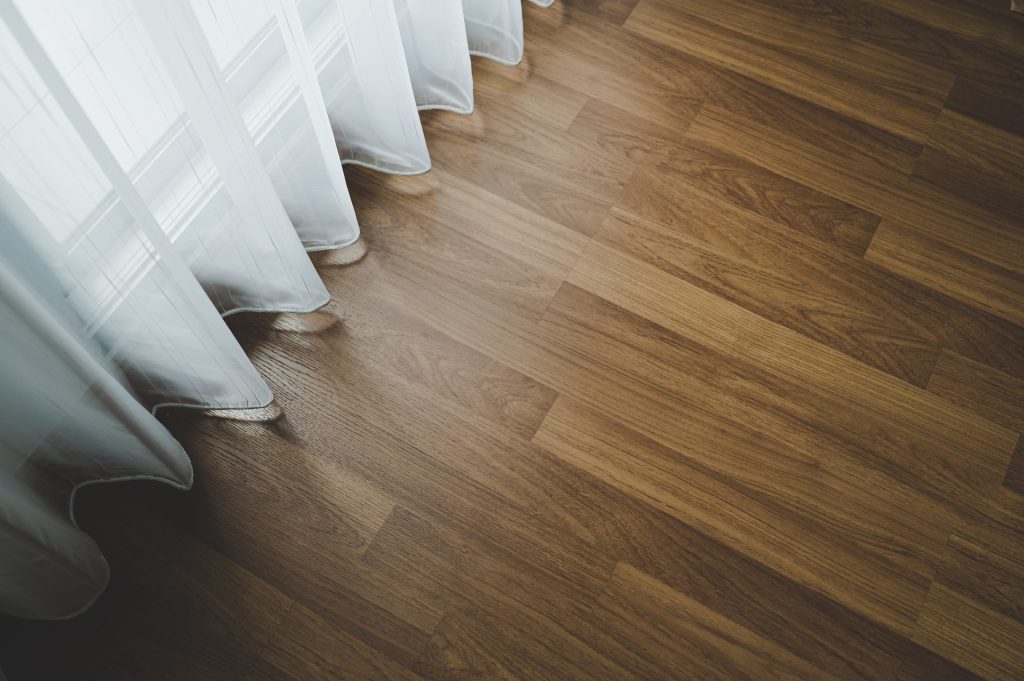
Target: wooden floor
[(699, 355)]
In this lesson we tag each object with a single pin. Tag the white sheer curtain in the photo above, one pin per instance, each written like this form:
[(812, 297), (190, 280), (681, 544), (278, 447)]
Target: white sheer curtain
[(164, 163)]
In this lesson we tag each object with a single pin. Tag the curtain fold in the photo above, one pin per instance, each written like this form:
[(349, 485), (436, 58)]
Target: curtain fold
[(69, 419), (365, 82), (436, 54), (163, 164), (494, 29)]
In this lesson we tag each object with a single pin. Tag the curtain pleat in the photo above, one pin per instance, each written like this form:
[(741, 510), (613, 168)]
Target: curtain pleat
[(163, 164), (249, 257), (69, 419), (110, 244), (365, 83), (494, 29), (436, 53)]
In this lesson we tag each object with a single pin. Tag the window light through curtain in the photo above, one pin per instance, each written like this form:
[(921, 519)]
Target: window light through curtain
[(163, 164)]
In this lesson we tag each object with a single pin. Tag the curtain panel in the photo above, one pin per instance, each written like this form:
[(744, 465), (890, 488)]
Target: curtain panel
[(164, 163)]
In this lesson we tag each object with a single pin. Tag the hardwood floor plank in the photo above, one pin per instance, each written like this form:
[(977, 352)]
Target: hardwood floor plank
[(960, 178), (458, 205), (836, 163), (922, 664), (615, 11), (752, 188), (501, 336), (679, 637), (654, 410), (928, 259), (623, 135), (803, 283), (533, 601), (475, 644), (976, 161), (837, 300), (310, 647), (986, 560), (996, 152), (957, 626), (965, 243), (979, 388), (565, 502), (972, 22), (496, 84), (428, 244), (689, 487), (376, 408), (715, 323), (692, 485), (874, 186), (884, 90), (330, 522), (988, 103), (264, 671), (1014, 479), (598, 59), (857, 30), (426, 239), (527, 162), (422, 356)]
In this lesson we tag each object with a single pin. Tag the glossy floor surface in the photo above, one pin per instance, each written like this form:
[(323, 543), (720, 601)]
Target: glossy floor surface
[(699, 355)]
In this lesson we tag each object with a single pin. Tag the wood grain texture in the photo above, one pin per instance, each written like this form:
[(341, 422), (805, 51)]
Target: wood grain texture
[(678, 636), (980, 388), (752, 262), (987, 104), (985, 23), (921, 255), (879, 88), (752, 188), (1014, 479), (957, 626), (984, 561), (615, 11), (870, 174), (973, 159), (699, 354)]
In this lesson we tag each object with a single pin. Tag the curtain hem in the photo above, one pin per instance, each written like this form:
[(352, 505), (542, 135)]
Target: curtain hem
[(184, 486), (506, 62)]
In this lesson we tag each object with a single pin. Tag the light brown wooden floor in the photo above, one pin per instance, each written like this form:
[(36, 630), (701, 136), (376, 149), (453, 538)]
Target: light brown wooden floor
[(699, 355)]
